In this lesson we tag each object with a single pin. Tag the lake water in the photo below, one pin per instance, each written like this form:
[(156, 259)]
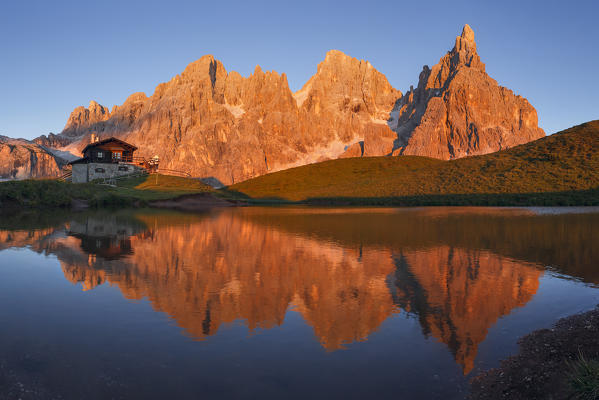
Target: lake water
[(283, 303)]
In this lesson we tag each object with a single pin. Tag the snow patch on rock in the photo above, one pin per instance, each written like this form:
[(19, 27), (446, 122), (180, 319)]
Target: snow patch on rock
[(301, 95), (321, 153), (393, 119), (379, 121), (65, 155), (237, 111)]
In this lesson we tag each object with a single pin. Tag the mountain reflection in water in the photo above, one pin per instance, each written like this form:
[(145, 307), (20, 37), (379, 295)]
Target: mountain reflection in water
[(456, 270)]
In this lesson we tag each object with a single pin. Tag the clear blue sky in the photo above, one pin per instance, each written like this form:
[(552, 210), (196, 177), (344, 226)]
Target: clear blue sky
[(56, 55)]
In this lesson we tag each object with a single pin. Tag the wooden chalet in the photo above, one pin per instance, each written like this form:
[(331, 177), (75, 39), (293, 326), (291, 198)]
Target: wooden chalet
[(111, 150), (108, 159), (111, 158)]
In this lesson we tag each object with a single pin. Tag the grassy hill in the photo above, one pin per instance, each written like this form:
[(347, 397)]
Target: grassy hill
[(133, 191), (560, 169)]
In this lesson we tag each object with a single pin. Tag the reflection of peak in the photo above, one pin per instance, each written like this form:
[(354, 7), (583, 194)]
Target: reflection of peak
[(459, 294), (260, 273), (344, 272), (89, 277)]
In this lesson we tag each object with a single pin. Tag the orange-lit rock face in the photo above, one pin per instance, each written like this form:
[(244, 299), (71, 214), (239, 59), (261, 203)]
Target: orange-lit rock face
[(17, 239), (215, 123), (20, 159), (458, 110), (83, 118), (208, 271), (212, 272), (459, 294)]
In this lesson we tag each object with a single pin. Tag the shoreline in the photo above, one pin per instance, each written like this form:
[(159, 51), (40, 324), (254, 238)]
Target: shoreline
[(542, 366), (189, 194), (195, 202), (203, 201)]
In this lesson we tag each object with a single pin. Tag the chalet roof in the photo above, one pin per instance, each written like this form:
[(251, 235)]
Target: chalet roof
[(79, 161), (110, 139)]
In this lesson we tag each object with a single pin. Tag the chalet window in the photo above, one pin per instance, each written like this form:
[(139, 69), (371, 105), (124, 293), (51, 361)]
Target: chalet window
[(100, 154), (100, 170), (123, 168)]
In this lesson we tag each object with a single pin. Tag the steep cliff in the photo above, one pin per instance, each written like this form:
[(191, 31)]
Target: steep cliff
[(21, 159), (348, 96), (218, 124), (52, 140), (82, 119), (457, 110)]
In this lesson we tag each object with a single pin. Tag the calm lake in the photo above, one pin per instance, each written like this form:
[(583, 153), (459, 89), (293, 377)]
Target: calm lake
[(280, 303)]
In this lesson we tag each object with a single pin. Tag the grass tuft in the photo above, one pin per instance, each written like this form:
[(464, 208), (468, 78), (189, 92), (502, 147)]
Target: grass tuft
[(584, 378)]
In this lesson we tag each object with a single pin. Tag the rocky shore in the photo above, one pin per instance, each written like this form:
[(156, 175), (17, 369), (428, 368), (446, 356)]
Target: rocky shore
[(14, 387), (543, 369)]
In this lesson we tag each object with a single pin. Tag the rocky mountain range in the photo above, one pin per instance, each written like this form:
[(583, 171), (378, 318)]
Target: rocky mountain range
[(20, 159), (218, 124)]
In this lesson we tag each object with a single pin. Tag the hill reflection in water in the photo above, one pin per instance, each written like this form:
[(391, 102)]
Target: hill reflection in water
[(345, 271)]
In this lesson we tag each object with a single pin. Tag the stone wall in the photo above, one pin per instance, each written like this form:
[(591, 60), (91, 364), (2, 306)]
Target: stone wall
[(88, 172), (108, 226)]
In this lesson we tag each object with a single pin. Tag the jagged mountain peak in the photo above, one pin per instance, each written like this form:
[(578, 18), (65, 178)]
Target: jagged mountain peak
[(464, 51), (336, 59), (202, 65), (217, 124), (334, 54), (83, 118), (136, 98), (467, 36), (343, 82), (457, 110), (94, 105)]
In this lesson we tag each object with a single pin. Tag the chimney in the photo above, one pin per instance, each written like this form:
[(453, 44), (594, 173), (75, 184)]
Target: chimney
[(93, 138)]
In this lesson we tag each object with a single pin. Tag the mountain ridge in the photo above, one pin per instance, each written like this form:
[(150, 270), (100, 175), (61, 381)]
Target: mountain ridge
[(229, 128), (222, 125)]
